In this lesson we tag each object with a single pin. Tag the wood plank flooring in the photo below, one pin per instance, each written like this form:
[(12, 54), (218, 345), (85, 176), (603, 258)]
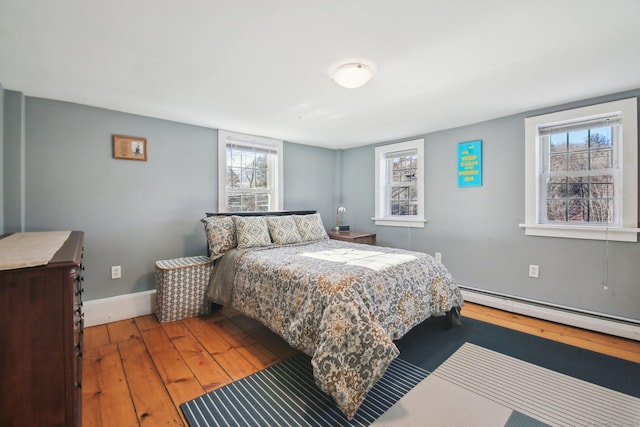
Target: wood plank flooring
[(137, 372)]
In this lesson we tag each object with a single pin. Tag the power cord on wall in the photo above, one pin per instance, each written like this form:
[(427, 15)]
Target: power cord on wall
[(605, 279)]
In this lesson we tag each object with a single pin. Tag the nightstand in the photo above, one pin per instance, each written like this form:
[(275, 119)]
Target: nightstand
[(353, 236)]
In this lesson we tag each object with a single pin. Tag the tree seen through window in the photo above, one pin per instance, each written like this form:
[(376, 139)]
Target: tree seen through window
[(580, 181), (247, 179)]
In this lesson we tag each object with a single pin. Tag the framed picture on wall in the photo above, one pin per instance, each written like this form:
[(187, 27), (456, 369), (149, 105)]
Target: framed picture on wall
[(129, 148)]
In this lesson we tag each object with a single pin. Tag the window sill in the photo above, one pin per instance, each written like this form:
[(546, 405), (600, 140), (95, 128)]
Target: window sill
[(617, 234), (400, 222)]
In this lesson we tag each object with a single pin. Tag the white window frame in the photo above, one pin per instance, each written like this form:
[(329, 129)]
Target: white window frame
[(382, 213), (626, 192), (275, 178)]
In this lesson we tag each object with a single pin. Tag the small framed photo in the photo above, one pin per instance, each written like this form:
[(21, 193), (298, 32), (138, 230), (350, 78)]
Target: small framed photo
[(129, 148)]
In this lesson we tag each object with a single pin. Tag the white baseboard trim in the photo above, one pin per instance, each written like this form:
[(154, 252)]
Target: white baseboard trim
[(558, 315), (120, 307)]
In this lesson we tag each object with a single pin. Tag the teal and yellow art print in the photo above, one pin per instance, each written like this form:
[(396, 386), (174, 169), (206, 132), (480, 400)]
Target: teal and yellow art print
[(470, 164)]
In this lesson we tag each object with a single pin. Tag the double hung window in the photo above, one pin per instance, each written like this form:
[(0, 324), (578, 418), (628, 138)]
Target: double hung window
[(581, 172), (249, 173), (399, 184)]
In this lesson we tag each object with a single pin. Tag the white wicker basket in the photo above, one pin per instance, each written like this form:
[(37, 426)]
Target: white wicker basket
[(181, 284)]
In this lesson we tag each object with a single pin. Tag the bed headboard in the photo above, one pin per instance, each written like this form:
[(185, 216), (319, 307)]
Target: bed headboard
[(266, 213)]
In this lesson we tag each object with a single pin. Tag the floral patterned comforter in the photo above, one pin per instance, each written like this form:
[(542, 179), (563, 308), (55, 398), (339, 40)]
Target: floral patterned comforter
[(343, 304)]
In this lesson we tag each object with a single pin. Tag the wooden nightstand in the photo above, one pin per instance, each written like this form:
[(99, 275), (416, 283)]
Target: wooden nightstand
[(353, 236)]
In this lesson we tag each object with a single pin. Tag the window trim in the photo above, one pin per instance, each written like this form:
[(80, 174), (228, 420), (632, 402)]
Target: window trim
[(225, 136), (382, 216), (627, 231)]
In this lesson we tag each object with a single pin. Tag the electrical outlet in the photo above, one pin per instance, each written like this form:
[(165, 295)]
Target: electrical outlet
[(438, 256), (116, 272), (534, 271)]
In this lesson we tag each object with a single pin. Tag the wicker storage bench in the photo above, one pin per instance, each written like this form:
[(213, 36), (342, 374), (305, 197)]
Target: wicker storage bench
[(181, 284)]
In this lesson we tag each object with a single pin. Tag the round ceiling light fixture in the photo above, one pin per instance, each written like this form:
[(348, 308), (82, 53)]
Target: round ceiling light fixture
[(352, 75)]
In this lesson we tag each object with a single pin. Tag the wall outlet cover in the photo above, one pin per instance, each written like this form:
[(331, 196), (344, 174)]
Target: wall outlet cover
[(116, 272)]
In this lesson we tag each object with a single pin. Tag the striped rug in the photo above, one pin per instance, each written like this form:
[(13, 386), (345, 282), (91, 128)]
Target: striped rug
[(286, 394), (480, 387)]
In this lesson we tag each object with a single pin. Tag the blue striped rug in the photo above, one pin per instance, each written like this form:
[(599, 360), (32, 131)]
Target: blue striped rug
[(286, 394)]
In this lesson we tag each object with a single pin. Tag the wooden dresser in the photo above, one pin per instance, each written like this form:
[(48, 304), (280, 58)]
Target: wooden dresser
[(41, 323)]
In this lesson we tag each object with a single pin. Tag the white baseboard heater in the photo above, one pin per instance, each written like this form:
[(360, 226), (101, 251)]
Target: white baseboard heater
[(608, 324)]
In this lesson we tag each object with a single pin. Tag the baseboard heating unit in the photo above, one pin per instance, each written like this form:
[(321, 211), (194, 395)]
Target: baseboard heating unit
[(599, 322)]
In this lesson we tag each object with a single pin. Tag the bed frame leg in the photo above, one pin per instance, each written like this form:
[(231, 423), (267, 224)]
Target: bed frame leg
[(452, 318), (448, 323)]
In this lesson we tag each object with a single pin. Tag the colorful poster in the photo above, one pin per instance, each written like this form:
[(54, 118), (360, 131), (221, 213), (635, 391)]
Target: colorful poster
[(470, 164)]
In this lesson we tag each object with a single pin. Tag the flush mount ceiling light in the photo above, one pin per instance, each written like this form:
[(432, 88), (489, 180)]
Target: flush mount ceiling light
[(352, 75)]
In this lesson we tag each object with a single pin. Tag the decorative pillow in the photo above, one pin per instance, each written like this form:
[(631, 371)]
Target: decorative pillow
[(310, 227), (251, 231), (221, 235), (283, 230)]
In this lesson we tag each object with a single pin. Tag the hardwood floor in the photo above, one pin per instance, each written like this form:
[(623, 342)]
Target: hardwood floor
[(137, 372)]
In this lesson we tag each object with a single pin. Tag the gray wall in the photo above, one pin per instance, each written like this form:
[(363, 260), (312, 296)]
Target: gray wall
[(133, 212), (310, 177), (13, 162), (476, 229)]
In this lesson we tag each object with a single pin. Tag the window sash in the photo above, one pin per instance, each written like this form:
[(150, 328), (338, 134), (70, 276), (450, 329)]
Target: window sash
[(248, 200), (254, 189), (401, 195), (581, 208), (240, 160), (627, 189), (399, 201), (250, 173)]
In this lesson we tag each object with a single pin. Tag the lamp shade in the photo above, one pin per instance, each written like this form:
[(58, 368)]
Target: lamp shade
[(352, 75)]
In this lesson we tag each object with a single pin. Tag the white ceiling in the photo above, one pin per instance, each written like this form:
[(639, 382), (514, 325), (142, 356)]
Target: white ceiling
[(261, 66)]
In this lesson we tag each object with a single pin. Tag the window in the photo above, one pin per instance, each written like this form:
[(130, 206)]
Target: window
[(399, 184), (249, 173), (581, 173)]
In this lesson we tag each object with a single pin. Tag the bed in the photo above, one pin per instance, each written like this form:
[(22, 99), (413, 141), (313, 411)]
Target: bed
[(341, 303)]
